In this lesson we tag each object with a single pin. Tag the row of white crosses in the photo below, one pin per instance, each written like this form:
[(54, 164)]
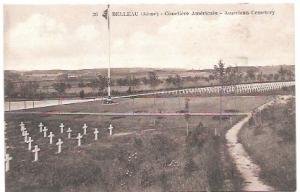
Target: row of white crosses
[(228, 89), (8, 158), (69, 131), (29, 140), (51, 135), (241, 88), (96, 132), (25, 134), (59, 143)]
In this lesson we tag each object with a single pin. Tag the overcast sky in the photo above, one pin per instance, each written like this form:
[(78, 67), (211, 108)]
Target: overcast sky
[(68, 37)]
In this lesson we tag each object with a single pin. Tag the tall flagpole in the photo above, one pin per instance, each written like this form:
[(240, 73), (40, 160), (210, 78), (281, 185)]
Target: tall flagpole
[(106, 15), (108, 71)]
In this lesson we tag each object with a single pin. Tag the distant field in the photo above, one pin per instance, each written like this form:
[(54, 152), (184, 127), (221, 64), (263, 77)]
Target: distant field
[(166, 158)]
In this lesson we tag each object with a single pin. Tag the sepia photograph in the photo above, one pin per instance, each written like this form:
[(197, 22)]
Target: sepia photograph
[(149, 97)]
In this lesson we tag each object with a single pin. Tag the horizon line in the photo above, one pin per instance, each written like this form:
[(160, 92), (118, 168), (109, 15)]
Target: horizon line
[(179, 68)]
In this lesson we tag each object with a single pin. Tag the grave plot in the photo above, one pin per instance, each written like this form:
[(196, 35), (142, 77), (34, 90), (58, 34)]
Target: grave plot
[(113, 153), (81, 154)]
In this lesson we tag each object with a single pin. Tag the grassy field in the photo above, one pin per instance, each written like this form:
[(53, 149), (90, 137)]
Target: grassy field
[(270, 141), (174, 104), (141, 156)]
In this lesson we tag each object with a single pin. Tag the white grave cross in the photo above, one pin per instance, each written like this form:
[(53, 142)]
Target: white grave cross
[(29, 141), (59, 143), (79, 139), (41, 127), (21, 124), (7, 159), (61, 128), (25, 136), (36, 151), (23, 128), (96, 134), (110, 129), (69, 132), (45, 131), (84, 129), (51, 135)]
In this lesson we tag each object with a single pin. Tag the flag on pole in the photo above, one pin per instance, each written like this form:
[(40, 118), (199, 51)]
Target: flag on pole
[(106, 15)]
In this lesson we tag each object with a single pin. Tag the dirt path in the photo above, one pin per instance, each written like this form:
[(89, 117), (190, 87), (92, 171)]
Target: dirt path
[(248, 169)]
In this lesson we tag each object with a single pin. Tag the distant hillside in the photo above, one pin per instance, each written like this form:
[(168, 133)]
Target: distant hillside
[(117, 73), (139, 71), (86, 83)]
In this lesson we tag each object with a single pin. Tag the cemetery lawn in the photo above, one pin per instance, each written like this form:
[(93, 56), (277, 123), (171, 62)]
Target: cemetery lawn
[(165, 104), (272, 145), (141, 156)]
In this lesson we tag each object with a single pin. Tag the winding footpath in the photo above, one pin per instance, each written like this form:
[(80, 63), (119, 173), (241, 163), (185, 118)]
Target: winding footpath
[(248, 169)]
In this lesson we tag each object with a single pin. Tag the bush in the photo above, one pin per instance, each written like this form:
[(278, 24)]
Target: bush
[(189, 167), (81, 94)]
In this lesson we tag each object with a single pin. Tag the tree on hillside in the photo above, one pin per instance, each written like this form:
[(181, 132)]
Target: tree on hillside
[(152, 76), (102, 82), (233, 75), (81, 84), (290, 75), (220, 75), (270, 77), (12, 76), (32, 89), (145, 80), (169, 80), (153, 79), (251, 74), (176, 81), (60, 87), (187, 116), (260, 77), (219, 72), (211, 77), (129, 91), (29, 89), (9, 88), (133, 81), (282, 72), (81, 94), (93, 84)]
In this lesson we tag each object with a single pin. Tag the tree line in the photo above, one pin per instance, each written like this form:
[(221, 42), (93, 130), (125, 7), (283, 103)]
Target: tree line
[(220, 75)]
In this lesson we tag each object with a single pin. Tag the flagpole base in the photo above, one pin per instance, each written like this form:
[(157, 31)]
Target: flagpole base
[(108, 101)]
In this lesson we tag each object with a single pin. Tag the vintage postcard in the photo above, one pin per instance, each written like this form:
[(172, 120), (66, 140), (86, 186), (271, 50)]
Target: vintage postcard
[(149, 97)]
